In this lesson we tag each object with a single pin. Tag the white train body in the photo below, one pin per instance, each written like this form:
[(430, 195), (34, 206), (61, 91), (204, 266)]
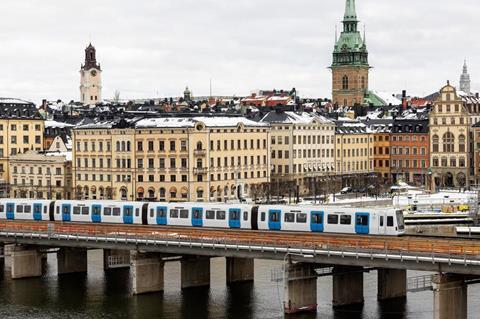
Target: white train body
[(313, 219)]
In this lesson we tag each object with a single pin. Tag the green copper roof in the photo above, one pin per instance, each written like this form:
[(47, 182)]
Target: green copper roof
[(350, 12)]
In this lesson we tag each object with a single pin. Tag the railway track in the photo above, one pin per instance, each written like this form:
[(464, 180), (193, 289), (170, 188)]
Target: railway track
[(411, 243)]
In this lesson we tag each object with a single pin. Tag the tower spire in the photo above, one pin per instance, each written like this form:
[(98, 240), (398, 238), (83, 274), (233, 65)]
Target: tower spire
[(465, 81), (364, 35), (350, 11)]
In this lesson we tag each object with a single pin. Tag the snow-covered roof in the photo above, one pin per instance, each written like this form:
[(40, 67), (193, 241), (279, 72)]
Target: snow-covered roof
[(294, 118), (56, 124), (172, 122), (67, 155), (387, 98), (5, 100)]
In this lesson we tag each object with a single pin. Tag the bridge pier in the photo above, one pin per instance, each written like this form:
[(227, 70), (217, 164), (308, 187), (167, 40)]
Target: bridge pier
[(392, 283), (195, 271), (300, 290), (115, 259), (72, 260), (449, 297), (347, 286), (146, 272), (26, 262), (239, 269)]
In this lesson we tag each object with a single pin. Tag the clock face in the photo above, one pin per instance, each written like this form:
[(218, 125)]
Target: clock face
[(93, 73)]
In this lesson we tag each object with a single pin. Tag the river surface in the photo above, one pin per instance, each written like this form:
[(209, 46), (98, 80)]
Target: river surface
[(107, 295)]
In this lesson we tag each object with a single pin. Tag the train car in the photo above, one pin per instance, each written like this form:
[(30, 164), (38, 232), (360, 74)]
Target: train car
[(25, 209), (322, 219), (214, 215), (98, 211)]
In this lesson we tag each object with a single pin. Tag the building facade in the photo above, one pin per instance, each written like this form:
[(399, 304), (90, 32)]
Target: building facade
[(450, 141), (21, 130), (41, 175), (354, 153), (410, 150), (172, 159), (302, 151), (350, 68), (90, 78)]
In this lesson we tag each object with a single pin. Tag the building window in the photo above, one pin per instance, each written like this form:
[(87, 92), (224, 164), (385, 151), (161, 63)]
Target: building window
[(461, 143), (448, 143), (345, 82), (172, 146), (435, 140)]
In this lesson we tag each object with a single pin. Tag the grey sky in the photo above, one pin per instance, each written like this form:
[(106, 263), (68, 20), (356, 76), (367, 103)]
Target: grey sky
[(151, 48)]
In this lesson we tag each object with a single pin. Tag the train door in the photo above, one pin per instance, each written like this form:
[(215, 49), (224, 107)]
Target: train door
[(10, 211), (234, 218), (96, 213), (274, 219), (37, 211), (316, 222), (161, 215), (66, 212), (362, 223), (382, 229), (197, 217), (128, 214)]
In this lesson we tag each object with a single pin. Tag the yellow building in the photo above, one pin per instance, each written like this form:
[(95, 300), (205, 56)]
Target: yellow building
[(354, 146), (172, 159), (302, 151), (450, 129), (21, 130), (41, 175), (381, 154)]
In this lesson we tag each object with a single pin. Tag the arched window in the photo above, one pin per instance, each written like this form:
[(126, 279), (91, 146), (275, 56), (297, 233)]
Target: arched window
[(123, 146), (461, 143), (129, 147), (200, 193), (435, 141), (151, 194), (199, 146), (345, 82), (162, 192), (118, 146), (448, 142), (124, 193)]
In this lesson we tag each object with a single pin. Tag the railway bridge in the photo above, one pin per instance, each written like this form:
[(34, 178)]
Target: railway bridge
[(145, 249)]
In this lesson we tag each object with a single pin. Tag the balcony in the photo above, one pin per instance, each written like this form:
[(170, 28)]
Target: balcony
[(200, 153), (200, 170)]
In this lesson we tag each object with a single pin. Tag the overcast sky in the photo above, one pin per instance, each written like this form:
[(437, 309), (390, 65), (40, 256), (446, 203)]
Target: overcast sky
[(150, 48)]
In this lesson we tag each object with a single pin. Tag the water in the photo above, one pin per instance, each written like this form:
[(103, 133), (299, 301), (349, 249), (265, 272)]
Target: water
[(107, 295)]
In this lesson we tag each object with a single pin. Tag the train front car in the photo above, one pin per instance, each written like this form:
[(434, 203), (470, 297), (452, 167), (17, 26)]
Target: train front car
[(25, 209)]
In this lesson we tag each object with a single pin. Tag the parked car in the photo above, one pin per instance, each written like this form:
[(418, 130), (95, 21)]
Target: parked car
[(346, 190)]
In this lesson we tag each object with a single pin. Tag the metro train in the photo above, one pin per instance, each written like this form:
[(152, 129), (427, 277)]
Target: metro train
[(316, 219)]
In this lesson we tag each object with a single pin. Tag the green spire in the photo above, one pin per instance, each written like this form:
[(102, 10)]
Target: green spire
[(350, 12)]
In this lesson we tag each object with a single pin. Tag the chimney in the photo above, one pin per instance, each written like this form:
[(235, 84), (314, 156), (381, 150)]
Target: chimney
[(404, 100), (477, 95)]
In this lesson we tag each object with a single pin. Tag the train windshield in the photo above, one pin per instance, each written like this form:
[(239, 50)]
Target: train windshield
[(400, 220)]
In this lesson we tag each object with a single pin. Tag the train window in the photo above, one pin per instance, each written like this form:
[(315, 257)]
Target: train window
[(2, 208), (128, 211), (58, 210), (245, 215), (234, 215), (173, 213), (161, 212), (389, 221), (210, 214), (381, 221), (345, 220), (184, 213), (116, 211), (137, 212), (317, 219), (301, 218), (10, 207), (262, 216), (85, 210), (362, 220), (221, 215), (152, 212), (19, 208), (107, 211), (197, 214), (27, 209), (96, 210), (274, 217), (45, 210), (76, 210), (289, 218), (37, 209), (332, 219)]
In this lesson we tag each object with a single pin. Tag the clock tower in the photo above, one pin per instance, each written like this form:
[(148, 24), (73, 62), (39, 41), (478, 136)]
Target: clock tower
[(90, 78)]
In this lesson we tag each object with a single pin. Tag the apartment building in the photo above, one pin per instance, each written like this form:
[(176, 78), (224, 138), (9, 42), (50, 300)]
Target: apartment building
[(41, 175), (172, 159), (302, 150)]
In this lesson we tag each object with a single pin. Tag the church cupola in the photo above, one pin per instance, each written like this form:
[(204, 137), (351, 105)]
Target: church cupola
[(91, 58)]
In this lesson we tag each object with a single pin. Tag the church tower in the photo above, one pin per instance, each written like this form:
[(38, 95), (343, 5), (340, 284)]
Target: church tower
[(465, 79), (90, 78), (350, 66)]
